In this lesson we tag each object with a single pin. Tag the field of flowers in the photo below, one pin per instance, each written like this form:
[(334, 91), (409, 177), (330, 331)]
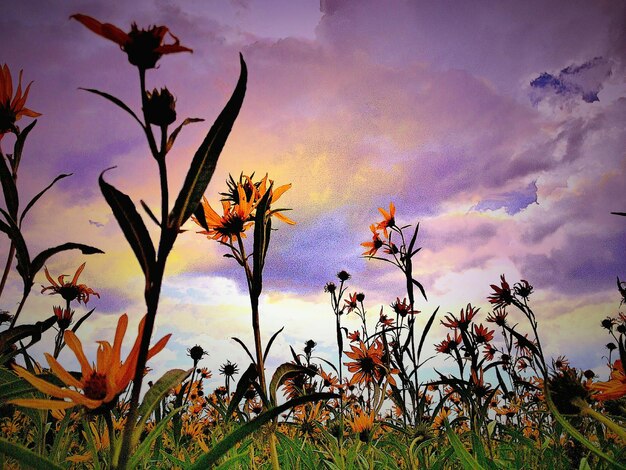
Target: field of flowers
[(506, 406)]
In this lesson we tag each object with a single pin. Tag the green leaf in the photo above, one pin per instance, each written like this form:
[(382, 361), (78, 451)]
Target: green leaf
[(154, 395), (147, 441), (261, 242), (205, 160), (131, 224), (467, 460), (26, 456), (116, 101), (39, 194), (284, 372), (41, 258), (211, 457), (9, 188)]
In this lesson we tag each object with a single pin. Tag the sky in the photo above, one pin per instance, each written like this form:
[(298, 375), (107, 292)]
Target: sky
[(499, 126)]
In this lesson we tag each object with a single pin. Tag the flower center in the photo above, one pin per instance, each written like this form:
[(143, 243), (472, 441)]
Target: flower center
[(96, 386)]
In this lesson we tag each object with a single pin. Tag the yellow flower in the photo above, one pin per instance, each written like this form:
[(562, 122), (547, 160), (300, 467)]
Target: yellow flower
[(234, 221), (12, 107), (100, 384), (69, 290), (362, 423), (615, 387), (261, 188)]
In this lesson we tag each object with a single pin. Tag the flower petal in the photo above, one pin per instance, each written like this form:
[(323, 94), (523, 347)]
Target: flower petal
[(61, 373), (106, 30), (75, 345)]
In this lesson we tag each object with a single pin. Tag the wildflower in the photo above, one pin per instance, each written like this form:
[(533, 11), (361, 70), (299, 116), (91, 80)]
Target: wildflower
[(449, 344), (615, 387), (524, 345), (389, 220), (561, 363), (502, 295), (295, 386), (464, 320), (489, 352), (402, 308), (12, 108), (229, 369), (354, 336), (64, 317), (363, 424), (567, 391), (384, 320), (478, 383), (509, 410), (498, 316), (611, 346), (205, 373), (343, 276), (360, 297), (523, 289), (232, 224), (482, 334), (328, 380), (368, 363), (100, 384), (144, 47), (261, 188), (351, 302), (621, 287), (375, 244), (196, 353), (5, 317), (160, 108), (392, 249), (69, 290), (330, 287)]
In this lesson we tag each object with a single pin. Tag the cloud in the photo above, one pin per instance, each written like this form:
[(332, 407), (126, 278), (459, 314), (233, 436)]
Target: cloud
[(511, 202), (583, 81)]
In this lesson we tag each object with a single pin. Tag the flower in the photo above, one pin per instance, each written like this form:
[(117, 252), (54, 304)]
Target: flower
[(464, 320), (523, 289), (351, 302), (389, 220), (449, 344), (70, 290), (375, 244), (498, 317), (362, 423), (196, 353), (229, 369), (343, 275), (64, 316), (100, 383), (260, 190), (368, 365), (482, 334), (615, 387), (502, 295), (354, 336), (12, 107), (232, 224), (144, 47), (403, 308)]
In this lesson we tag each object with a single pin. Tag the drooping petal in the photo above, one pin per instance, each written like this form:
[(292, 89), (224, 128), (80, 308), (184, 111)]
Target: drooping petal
[(278, 192), (58, 370), (75, 345), (106, 30)]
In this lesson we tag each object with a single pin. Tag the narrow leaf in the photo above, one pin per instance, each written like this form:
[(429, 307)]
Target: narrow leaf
[(425, 332), (26, 457), (270, 342), (9, 188), (150, 213), (247, 378), (115, 101), (245, 348), (205, 160), (154, 395), (131, 224), (82, 319), (467, 460), (41, 193), (421, 288), (211, 458), (21, 252), (18, 148), (18, 333), (284, 372), (147, 441), (172, 138), (41, 258)]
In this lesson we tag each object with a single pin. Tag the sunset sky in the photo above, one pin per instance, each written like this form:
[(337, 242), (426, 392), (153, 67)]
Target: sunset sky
[(499, 125)]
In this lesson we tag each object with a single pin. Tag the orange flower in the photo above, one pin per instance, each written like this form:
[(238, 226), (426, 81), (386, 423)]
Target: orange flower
[(12, 107), (375, 244), (482, 334), (615, 387), (100, 384), (234, 222), (261, 188), (368, 365), (363, 423), (144, 47), (70, 290), (389, 219)]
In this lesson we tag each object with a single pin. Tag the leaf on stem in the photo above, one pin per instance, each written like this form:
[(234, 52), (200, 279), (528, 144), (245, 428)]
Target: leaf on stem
[(9, 189), (172, 138), (116, 101), (39, 194), (205, 160), (131, 224), (18, 148)]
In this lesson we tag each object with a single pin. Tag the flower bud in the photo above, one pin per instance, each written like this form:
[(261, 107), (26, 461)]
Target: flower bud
[(160, 108)]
